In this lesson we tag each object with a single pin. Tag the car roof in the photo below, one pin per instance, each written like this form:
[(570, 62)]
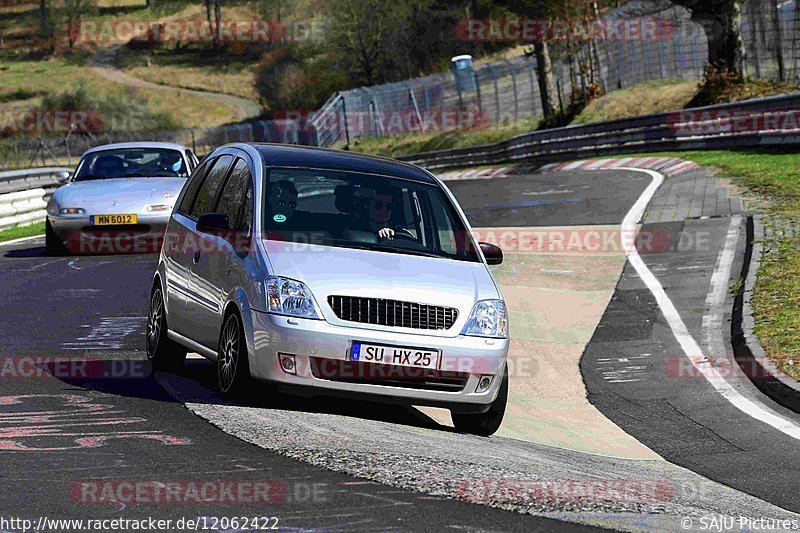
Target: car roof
[(291, 155), (169, 146)]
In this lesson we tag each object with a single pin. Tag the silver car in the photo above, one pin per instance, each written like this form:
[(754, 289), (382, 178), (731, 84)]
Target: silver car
[(119, 195), (336, 272)]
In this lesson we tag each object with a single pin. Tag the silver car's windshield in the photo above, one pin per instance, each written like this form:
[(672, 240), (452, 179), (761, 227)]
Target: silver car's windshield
[(355, 210), (132, 163)]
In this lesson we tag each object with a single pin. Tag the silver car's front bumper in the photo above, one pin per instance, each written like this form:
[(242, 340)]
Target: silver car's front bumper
[(316, 344), (73, 231)]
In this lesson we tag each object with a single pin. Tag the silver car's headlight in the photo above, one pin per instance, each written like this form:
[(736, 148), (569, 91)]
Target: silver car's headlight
[(292, 298), (488, 319)]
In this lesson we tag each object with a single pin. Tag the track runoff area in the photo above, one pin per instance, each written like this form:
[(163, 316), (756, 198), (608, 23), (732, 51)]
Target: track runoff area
[(616, 418)]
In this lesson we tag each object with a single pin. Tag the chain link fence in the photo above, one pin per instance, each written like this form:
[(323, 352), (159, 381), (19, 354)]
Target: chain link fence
[(507, 91), (771, 36)]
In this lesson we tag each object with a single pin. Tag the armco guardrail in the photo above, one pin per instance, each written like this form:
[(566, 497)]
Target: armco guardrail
[(24, 195), (22, 180), (771, 121), (22, 208)]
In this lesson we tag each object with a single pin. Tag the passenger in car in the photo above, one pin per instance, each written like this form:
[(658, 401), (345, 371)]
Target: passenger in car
[(286, 222)]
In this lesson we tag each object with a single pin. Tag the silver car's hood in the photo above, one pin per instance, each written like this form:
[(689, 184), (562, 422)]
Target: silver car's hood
[(130, 194), (330, 271)]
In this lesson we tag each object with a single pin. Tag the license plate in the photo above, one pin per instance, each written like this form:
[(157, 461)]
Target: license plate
[(109, 220), (394, 355)]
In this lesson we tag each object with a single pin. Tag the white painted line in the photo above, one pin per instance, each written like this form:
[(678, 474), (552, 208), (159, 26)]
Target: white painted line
[(689, 345), (21, 239)]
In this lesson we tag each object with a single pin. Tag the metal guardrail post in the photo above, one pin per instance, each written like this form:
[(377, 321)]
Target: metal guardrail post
[(514, 84), (413, 100), (695, 57), (344, 119), (496, 93), (533, 85)]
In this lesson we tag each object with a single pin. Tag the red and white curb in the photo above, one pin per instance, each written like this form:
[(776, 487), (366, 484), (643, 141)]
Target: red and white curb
[(669, 166), (474, 174)]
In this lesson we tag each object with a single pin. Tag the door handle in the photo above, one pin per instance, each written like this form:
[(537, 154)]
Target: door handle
[(196, 256)]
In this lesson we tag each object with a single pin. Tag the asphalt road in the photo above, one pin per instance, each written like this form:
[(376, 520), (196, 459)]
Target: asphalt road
[(131, 430), (129, 426)]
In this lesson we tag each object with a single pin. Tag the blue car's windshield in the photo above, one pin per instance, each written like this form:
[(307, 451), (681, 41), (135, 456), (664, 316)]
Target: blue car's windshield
[(132, 162), (354, 210)]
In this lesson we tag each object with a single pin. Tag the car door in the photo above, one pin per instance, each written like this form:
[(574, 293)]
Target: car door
[(178, 251), (219, 266), (200, 305)]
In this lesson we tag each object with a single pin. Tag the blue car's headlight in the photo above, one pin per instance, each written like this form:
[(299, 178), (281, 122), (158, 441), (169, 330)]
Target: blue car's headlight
[(292, 298), (489, 318)]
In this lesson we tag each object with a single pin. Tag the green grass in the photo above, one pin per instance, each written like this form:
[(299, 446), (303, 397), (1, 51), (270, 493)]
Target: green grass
[(411, 144), (22, 231), (58, 75), (642, 99)]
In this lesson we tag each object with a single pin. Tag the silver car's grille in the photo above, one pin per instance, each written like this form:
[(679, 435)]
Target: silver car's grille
[(394, 313)]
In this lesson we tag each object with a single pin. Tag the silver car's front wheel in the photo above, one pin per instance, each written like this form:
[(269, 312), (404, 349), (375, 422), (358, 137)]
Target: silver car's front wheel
[(233, 371)]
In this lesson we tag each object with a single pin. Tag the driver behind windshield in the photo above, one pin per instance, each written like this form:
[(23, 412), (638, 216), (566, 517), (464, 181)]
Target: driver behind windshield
[(170, 162), (377, 215)]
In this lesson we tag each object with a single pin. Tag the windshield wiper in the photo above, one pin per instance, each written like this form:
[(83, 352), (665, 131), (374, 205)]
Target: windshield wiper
[(93, 177), (385, 248)]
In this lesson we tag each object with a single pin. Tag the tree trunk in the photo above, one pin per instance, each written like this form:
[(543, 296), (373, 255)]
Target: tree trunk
[(217, 23), (43, 16), (544, 73), (776, 32), (211, 23), (718, 20)]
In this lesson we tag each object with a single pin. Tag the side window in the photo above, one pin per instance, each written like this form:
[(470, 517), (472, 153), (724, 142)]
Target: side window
[(192, 159), (233, 195), (207, 195), (246, 222), (446, 234), (192, 185)]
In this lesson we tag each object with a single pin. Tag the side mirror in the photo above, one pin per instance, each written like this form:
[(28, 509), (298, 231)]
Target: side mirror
[(492, 253), (213, 223), (62, 176)]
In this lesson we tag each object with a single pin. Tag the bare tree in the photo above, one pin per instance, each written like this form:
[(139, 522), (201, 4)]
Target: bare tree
[(776, 34), (43, 17), (719, 20)]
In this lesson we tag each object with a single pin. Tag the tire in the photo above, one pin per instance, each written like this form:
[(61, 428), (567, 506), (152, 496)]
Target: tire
[(485, 424), (233, 368), (162, 352), (52, 242)]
